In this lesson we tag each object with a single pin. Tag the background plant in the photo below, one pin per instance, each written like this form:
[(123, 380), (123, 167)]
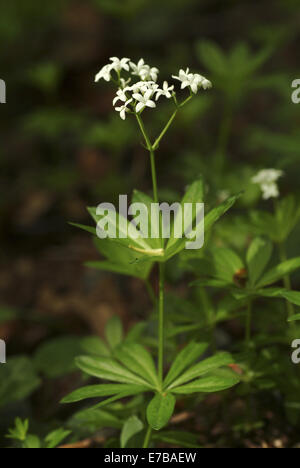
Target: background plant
[(63, 149)]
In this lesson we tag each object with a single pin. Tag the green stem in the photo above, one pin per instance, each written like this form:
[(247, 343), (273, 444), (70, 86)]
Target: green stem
[(161, 265), (161, 322), (143, 130), (287, 282), (154, 177), (248, 325), (147, 438), (157, 141)]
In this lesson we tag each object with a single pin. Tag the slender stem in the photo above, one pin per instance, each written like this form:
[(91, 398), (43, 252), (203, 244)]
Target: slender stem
[(147, 437), (154, 177), (157, 141), (161, 322), (287, 282), (161, 265), (248, 325), (143, 130)]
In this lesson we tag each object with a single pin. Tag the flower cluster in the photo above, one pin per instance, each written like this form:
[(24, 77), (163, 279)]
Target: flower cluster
[(145, 92), (267, 180), (192, 80)]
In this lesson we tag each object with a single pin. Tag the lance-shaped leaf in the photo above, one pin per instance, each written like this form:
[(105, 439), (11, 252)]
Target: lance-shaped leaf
[(185, 358), (108, 369), (98, 391), (160, 410), (226, 264), (153, 220), (124, 232), (194, 195), (121, 259), (221, 380), (94, 345), (279, 272), (138, 360), (202, 368), (258, 257), (132, 426), (214, 215), (114, 332)]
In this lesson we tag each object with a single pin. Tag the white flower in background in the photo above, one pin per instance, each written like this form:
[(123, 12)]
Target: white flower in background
[(204, 82), (123, 109), (191, 80), (144, 100), (104, 73), (144, 71), (120, 64), (165, 91), (267, 180)]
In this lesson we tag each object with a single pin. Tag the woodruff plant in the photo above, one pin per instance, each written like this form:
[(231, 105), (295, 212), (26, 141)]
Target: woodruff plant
[(128, 364)]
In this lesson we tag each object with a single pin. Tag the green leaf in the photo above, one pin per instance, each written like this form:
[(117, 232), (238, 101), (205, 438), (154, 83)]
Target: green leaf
[(32, 442), (121, 259), (56, 357), (56, 437), (153, 221), (258, 257), (292, 296), (214, 215), (93, 420), (114, 332), (132, 426), (19, 432), (97, 391), (279, 272), (226, 264), (184, 359), (160, 410), (117, 397), (202, 368), (121, 226), (193, 195), (18, 380), (138, 360), (94, 345), (108, 369), (213, 383), (294, 318), (89, 229), (213, 57)]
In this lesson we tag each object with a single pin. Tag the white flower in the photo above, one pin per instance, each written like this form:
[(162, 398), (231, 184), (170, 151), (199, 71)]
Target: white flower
[(144, 100), (124, 83), (119, 64), (144, 71), (203, 82), (165, 91), (191, 80), (123, 109), (104, 73), (121, 96), (267, 180)]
